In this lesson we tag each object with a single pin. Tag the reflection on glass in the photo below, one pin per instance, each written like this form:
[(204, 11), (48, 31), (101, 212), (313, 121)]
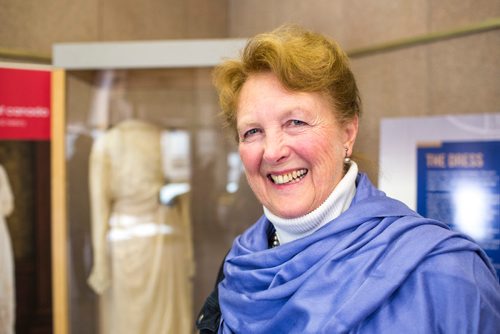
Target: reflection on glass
[(471, 203), (169, 192), (155, 191), (175, 146), (234, 173)]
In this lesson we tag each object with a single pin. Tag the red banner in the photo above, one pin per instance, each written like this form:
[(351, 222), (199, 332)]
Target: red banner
[(24, 104)]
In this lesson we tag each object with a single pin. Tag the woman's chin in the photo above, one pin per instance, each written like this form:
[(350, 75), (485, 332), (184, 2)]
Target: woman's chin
[(290, 213)]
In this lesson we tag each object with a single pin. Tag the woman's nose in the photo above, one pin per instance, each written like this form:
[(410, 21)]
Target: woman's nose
[(276, 149)]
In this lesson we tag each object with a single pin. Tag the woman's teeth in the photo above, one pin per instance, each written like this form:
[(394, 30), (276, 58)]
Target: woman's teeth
[(292, 177)]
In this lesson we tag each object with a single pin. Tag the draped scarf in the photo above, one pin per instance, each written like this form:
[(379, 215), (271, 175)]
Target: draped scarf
[(334, 279)]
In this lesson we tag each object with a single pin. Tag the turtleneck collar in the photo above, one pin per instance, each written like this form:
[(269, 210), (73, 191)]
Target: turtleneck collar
[(337, 202)]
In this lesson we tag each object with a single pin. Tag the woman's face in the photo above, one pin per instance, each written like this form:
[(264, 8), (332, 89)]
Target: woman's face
[(291, 145)]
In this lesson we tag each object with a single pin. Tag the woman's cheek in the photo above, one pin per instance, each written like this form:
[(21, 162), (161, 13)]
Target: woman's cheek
[(249, 157)]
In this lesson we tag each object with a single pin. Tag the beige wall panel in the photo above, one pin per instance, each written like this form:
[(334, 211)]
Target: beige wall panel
[(391, 84), (170, 19), (206, 19), (248, 17), (142, 20), (465, 74), (354, 23), (450, 14), (35, 25), (367, 22), (319, 15)]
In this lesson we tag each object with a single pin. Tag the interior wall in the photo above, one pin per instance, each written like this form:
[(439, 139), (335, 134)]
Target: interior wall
[(33, 26), (455, 76), (451, 76), (459, 75)]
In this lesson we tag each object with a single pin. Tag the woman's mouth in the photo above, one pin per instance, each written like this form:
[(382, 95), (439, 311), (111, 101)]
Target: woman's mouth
[(288, 178)]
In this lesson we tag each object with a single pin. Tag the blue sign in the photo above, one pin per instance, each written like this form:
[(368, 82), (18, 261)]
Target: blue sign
[(459, 184)]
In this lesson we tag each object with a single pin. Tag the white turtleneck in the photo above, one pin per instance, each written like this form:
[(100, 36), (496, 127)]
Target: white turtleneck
[(339, 200)]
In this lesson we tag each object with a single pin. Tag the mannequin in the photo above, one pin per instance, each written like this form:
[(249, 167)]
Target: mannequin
[(143, 258), (7, 293)]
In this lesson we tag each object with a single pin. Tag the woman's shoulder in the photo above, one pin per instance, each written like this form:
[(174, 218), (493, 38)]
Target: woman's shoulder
[(448, 292), (454, 263), (458, 289)]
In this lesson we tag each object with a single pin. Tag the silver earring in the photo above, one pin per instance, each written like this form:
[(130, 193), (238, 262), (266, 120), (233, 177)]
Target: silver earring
[(347, 160)]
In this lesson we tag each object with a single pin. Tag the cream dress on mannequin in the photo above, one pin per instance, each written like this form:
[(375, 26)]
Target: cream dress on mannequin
[(7, 293), (143, 257)]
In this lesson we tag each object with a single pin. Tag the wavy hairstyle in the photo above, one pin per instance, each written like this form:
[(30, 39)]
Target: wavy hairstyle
[(302, 60)]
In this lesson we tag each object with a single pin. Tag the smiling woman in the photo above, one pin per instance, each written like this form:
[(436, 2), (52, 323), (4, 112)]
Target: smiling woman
[(331, 253), (283, 132)]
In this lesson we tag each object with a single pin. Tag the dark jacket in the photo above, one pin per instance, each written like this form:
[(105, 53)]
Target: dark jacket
[(208, 319)]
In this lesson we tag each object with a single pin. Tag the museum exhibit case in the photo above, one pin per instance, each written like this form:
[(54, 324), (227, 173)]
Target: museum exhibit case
[(25, 217), (151, 191)]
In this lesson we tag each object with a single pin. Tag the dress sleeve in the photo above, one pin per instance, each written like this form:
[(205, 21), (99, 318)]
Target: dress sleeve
[(100, 206), (6, 197)]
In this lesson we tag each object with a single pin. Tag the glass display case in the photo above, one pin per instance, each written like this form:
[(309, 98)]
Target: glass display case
[(154, 194), (25, 217)]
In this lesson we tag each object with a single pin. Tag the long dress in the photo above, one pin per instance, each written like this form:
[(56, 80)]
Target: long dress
[(7, 293), (143, 258)]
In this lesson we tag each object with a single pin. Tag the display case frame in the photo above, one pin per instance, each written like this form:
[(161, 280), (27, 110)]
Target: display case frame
[(69, 57)]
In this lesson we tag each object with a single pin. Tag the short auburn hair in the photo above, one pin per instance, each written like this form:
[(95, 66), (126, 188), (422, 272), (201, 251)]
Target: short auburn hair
[(302, 60)]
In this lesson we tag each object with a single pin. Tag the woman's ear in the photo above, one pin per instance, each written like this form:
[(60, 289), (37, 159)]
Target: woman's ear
[(351, 131)]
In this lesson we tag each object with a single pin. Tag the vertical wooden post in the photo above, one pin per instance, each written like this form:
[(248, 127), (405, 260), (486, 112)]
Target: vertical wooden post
[(59, 204)]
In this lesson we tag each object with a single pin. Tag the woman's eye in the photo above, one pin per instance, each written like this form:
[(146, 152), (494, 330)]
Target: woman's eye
[(250, 133), (297, 122)]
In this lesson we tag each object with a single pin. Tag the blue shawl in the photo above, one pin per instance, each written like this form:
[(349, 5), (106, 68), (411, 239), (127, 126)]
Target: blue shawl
[(377, 268)]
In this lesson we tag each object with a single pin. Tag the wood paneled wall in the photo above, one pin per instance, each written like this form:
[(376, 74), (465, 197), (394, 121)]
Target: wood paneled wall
[(34, 26), (454, 76)]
